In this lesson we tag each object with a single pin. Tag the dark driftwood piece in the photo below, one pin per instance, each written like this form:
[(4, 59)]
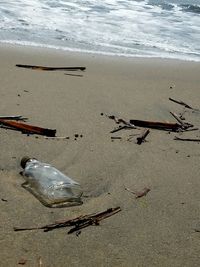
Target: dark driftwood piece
[(180, 103), (157, 125), (77, 223), (49, 68), (28, 129), (186, 139), (142, 137)]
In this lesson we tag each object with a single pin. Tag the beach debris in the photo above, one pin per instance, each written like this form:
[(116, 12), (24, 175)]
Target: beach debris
[(35, 67), (116, 137), (125, 124), (16, 118), (166, 126), (4, 200), (190, 130), (182, 103), (22, 261), (77, 223), (184, 125), (186, 139), (58, 137), (51, 187), (197, 228), (75, 75), (142, 137), (28, 129), (139, 194)]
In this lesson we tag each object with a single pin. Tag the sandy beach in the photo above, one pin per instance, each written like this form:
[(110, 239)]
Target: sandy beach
[(155, 230)]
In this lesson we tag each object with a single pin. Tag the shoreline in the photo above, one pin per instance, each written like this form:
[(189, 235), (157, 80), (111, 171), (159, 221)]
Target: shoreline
[(91, 53), (155, 230)]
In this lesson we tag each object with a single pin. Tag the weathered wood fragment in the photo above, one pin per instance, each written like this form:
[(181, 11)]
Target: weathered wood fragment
[(49, 68), (28, 129), (157, 125), (142, 137)]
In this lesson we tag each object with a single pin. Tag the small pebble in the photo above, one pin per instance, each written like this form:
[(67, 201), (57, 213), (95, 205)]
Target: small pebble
[(76, 135), (102, 114)]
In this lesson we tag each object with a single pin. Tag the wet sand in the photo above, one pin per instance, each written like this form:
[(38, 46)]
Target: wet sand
[(156, 230)]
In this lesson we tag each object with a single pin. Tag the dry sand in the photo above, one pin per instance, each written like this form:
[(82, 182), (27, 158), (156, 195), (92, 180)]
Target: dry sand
[(156, 230)]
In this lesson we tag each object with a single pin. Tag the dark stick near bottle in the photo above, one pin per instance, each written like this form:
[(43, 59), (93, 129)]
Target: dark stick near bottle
[(77, 223)]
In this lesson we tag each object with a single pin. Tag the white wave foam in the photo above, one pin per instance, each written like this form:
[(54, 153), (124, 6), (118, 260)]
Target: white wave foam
[(110, 26)]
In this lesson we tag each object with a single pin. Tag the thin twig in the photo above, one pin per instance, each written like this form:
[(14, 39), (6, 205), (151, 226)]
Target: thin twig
[(186, 139), (180, 103)]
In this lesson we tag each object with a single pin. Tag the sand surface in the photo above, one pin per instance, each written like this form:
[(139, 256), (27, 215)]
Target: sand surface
[(156, 230)]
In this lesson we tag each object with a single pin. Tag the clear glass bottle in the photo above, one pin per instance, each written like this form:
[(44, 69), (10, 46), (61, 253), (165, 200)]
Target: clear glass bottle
[(49, 185)]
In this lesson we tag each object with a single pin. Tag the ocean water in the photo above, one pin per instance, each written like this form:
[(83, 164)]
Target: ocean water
[(132, 28)]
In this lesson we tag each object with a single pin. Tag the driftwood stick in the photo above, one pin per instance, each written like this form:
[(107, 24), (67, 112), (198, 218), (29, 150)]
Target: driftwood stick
[(121, 128), (190, 130), (184, 125), (180, 103), (186, 139), (77, 223), (17, 118), (28, 129), (115, 137), (49, 68), (177, 118), (142, 137), (157, 125)]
